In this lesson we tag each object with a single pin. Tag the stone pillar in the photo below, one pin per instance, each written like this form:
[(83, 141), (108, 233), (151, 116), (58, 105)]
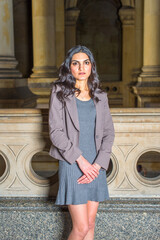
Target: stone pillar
[(23, 35), (148, 87), (8, 62), (127, 16), (60, 39), (138, 38), (71, 16), (8, 72), (44, 50), (13, 88)]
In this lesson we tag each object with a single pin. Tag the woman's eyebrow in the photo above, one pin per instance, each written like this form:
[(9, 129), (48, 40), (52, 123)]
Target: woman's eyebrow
[(83, 60)]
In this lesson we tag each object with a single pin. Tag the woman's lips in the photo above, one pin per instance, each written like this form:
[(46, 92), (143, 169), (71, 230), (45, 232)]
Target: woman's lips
[(82, 73)]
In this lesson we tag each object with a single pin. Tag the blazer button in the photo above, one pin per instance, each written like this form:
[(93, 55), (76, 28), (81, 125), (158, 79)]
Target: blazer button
[(96, 136)]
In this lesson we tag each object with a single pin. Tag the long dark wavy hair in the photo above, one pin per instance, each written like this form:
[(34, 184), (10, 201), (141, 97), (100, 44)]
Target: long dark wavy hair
[(66, 80)]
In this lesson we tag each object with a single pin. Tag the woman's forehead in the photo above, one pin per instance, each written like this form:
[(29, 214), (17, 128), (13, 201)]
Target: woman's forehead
[(80, 56)]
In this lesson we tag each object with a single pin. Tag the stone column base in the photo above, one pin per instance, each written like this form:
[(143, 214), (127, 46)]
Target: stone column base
[(147, 91)]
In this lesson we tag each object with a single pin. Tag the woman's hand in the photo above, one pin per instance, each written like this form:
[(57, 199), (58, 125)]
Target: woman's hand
[(88, 169), (84, 179)]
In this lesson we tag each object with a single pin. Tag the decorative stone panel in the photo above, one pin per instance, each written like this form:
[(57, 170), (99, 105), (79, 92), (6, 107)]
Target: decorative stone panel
[(24, 133)]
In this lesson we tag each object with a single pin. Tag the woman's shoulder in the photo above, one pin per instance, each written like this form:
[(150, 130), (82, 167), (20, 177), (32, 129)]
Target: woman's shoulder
[(101, 94), (56, 88)]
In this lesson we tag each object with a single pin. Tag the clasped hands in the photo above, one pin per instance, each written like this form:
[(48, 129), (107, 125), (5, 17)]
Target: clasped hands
[(91, 171)]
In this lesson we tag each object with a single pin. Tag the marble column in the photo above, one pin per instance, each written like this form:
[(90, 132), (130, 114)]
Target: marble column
[(13, 88), (44, 50), (71, 16), (127, 16), (148, 87)]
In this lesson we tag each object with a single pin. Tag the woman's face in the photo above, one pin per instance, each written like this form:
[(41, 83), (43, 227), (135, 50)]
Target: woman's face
[(80, 66)]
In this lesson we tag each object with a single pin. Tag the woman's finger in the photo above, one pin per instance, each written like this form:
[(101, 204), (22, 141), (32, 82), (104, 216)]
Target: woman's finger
[(84, 180)]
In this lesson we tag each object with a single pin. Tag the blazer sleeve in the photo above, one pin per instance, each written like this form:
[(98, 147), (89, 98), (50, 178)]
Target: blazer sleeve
[(56, 131), (103, 156)]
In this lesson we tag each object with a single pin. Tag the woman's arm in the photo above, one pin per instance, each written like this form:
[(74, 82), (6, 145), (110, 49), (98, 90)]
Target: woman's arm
[(103, 156), (56, 131)]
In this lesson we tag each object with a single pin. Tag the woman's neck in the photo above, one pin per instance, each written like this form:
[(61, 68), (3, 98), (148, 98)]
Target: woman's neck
[(82, 85)]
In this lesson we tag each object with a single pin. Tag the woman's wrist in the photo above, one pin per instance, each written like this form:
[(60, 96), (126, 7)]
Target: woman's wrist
[(79, 159)]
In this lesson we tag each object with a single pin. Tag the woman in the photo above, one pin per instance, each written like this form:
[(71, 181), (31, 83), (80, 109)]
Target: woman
[(82, 134)]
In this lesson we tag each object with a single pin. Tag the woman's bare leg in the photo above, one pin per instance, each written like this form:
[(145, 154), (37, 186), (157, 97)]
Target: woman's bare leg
[(92, 208), (79, 215)]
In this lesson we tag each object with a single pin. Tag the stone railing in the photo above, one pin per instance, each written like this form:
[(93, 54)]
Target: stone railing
[(26, 170)]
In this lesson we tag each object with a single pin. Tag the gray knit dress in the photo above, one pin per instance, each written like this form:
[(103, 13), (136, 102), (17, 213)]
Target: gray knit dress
[(70, 192)]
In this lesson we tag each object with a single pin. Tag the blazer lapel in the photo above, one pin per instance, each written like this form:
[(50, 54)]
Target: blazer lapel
[(72, 110)]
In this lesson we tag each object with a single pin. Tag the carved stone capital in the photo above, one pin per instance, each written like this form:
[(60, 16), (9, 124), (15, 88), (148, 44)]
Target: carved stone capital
[(71, 16), (127, 15)]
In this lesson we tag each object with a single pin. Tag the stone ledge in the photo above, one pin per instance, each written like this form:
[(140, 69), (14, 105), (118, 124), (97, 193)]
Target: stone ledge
[(47, 204)]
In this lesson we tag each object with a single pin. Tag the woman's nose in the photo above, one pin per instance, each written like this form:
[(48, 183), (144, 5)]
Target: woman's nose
[(80, 66)]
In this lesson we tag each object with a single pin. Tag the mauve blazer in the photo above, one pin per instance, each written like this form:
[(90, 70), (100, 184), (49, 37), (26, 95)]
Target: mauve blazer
[(64, 129)]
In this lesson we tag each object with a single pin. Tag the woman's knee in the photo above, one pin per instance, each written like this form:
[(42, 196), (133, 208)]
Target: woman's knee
[(81, 230)]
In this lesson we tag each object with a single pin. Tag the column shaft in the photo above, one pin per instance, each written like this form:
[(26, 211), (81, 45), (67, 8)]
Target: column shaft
[(127, 15), (44, 55), (151, 55), (8, 62), (44, 50), (71, 17), (138, 37), (14, 92), (60, 31)]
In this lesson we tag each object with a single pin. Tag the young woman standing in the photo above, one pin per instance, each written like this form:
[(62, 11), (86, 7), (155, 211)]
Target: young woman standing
[(82, 134)]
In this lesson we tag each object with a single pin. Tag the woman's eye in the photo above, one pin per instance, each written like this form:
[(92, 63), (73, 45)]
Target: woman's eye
[(87, 62), (74, 63)]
